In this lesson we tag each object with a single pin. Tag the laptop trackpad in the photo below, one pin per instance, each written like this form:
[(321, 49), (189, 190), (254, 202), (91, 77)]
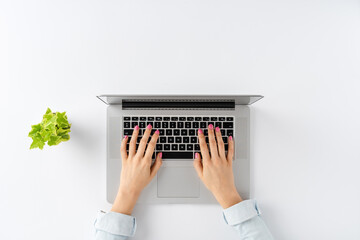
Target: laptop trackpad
[(178, 182)]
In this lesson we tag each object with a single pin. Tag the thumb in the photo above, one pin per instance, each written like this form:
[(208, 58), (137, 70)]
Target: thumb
[(156, 166), (198, 165)]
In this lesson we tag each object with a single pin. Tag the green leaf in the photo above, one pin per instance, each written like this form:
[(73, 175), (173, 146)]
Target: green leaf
[(53, 129)]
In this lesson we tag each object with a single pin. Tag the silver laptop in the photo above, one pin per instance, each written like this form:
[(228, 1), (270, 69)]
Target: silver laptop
[(178, 117)]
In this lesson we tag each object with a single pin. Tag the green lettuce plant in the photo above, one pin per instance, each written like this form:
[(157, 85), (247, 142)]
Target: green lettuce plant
[(53, 129)]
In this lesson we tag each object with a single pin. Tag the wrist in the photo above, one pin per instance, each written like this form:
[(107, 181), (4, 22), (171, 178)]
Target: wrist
[(229, 199), (125, 202)]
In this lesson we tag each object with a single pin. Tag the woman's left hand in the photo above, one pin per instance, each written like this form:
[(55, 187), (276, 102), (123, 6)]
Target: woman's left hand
[(136, 170)]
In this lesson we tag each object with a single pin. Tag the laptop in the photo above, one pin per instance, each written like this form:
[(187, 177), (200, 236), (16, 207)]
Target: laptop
[(178, 117)]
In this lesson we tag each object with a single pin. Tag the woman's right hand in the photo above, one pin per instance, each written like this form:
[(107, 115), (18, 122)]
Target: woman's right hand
[(216, 171)]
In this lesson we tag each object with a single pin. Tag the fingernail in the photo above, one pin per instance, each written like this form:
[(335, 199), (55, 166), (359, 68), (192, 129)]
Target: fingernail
[(136, 127), (196, 155), (157, 131), (217, 129), (200, 131), (230, 138), (160, 155), (211, 127), (149, 126), (125, 136)]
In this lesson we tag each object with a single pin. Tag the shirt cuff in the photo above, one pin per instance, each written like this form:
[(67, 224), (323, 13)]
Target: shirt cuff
[(116, 223), (241, 212)]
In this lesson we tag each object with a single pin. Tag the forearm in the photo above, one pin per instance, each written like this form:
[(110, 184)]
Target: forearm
[(245, 218), (114, 226)]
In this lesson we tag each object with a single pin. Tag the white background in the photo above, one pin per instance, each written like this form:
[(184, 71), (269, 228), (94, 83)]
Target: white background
[(304, 56)]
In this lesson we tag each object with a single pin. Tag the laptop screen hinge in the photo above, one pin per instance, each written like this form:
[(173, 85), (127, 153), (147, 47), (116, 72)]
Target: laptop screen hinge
[(170, 104)]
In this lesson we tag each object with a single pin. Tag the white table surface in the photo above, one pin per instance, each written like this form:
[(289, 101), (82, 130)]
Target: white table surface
[(303, 56)]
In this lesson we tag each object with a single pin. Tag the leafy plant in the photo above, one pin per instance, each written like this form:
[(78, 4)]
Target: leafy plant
[(53, 129)]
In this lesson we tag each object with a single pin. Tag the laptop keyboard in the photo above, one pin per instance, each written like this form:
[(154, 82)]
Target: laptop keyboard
[(178, 134)]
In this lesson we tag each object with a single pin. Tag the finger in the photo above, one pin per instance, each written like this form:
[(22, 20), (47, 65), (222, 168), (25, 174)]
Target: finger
[(220, 143), (132, 147), (151, 146), (143, 141), (156, 166), (123, 148), (198, 165), (212, 141), (230, 154), (203, 146)]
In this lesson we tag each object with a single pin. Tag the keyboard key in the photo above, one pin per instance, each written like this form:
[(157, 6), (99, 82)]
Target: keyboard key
[(128, 132), (162, 139), (190, 118), (170, 140), (142, 125), (172, 124), (158, 147), (228, 125), (133, 124), (221, 118), (229, 119), (166, 118), (222, 132), (205, 132), (230, 133), (166, 147), (165, 124), (151, 118), (127, 118), (186, 139), (226, 147), (158, 118), (191, 132), (126, 124), (195, 125), (181, 146), (135, 118), (174, 147), (180, 125), (183, 132), (213, 118), (225, 140), (203, 125), (193, 139), (206, 139), (206, 118), (210, 123), (218, 124), (157, 125), (189, 147), (169, 132), (177, 155), (174, 118), (197, 118), (178, 139), (150, 123), (197, 147), (187, 124), (161, 132), (182, 118), (176, 132), (142, 118)]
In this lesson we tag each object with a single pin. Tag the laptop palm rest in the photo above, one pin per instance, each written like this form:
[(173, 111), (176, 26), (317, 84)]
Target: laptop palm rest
[(178, 182)]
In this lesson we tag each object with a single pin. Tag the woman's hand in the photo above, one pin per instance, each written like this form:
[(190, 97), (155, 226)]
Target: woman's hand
[(136, 170), (216, 171)]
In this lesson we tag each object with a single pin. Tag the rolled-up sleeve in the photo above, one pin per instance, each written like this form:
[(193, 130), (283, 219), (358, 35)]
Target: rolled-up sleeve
[(114, 226), (245, 218)]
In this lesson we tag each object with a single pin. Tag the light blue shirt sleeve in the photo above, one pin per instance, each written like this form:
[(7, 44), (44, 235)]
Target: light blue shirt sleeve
[(245, 218), (114, 226)]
